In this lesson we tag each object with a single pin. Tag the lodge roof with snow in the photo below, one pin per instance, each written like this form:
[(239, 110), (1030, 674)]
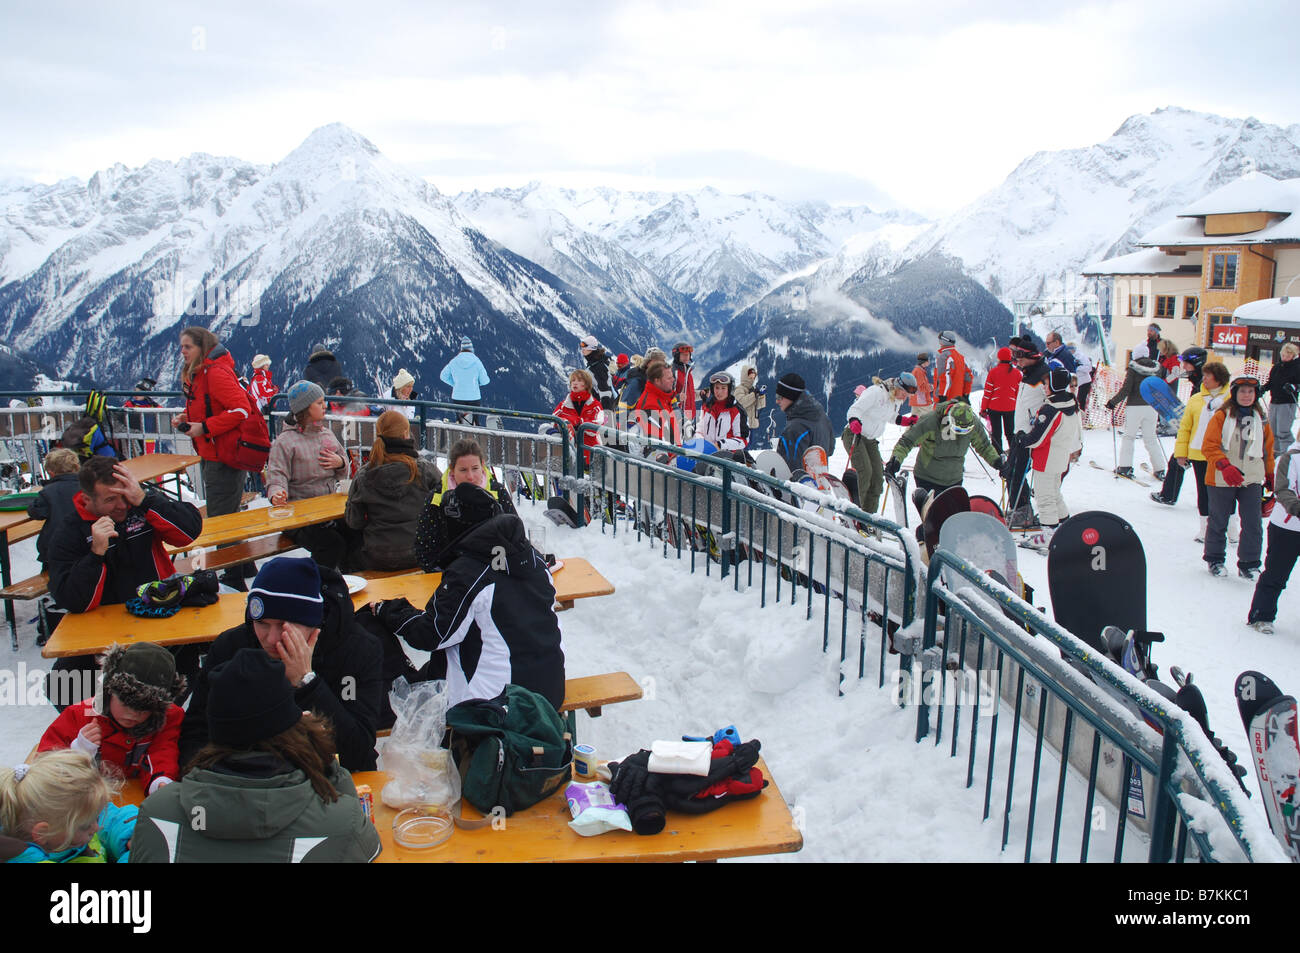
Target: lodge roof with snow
[(1254, 194)]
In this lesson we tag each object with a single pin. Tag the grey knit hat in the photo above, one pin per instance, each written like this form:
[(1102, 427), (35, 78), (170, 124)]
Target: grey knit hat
[(302, 395)]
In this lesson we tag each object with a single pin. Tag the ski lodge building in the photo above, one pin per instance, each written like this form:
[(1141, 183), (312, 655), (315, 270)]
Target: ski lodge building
[(1237, 245)]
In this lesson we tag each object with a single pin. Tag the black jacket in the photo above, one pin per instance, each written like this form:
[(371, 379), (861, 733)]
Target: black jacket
[(493, 615), (348, 688), (598, 365), (1284, 381), (431, 533), (806, 426), (386, 504), (54, 505), (80, 580), (322, 368), (1132, 389)]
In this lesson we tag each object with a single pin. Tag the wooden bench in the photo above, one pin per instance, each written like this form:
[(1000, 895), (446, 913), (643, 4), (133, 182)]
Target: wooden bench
[(27, 589), (236, 555)]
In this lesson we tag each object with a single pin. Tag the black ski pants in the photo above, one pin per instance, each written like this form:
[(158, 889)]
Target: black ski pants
[(1001, 422), (1283, 550)]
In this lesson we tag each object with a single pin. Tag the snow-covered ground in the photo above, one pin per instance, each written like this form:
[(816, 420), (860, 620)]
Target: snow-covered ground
[(859, 787)]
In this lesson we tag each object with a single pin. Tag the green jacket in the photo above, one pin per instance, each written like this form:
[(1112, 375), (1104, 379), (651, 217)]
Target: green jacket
[(942, 453), (265, 813)]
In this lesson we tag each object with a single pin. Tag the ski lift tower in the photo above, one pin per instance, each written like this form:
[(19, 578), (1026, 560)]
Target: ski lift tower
[(1060, 312)]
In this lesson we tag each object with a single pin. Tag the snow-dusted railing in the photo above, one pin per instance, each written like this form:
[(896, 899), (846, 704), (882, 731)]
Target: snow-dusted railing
[(743, 522), (1192, 785)]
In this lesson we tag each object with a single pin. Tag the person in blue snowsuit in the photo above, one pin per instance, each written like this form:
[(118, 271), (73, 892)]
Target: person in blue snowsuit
[(465, 374)]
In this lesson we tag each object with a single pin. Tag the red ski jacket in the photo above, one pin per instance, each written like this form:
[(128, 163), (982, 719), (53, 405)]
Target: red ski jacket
[(1000, 387), (231, 405), (150, 757)]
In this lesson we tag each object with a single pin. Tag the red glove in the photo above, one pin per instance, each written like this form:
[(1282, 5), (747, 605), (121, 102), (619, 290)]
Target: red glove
[(908, 420), (855, 425), (1268, 482), (1231, 475)]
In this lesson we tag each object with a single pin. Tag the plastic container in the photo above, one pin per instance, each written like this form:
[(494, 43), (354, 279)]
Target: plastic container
[(419, 828)]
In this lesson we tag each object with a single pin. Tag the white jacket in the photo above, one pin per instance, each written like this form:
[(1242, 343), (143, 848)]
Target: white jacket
[(874, 410)]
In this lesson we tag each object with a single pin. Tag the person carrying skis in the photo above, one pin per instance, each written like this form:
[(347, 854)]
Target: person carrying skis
[(806, 424), (1238, 451), (876, 407), (952, 378), (1283, 543), (1054, 440), (943, 436), (998, 405), (1029, 398), (1139, 418)]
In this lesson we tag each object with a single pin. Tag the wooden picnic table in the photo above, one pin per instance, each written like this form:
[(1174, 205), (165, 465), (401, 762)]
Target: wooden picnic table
[(88, 633), (541, 834), (153, 466), (263, 520)]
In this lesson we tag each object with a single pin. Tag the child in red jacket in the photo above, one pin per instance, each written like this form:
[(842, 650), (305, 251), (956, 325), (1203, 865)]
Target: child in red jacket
[(133, 721)]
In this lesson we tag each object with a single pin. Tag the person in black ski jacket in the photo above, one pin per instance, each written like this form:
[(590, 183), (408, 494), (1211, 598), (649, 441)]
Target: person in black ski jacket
[(806, 424), (1193, 359), (491, 622), (54, 503), (322, 367), (1283, 384), (1140, 418), (598, 366), (301, 613)]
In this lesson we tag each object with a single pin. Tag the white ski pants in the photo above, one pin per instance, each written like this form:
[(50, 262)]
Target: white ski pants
[(1141, 420)]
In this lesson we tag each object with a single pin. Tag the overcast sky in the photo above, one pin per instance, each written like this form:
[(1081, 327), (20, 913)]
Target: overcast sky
[(930, 104)]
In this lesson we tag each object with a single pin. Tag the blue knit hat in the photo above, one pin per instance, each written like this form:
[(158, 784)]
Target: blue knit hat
[(467, 345), (287, 589)]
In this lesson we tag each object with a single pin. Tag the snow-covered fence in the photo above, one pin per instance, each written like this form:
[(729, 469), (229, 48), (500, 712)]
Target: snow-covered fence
[(1096, 716)]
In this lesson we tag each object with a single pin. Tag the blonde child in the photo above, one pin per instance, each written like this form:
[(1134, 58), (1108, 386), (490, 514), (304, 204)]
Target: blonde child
[(58, 810)]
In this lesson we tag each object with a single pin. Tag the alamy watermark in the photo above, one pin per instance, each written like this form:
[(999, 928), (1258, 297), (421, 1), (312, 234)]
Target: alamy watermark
[(23, 686), (179, 296)]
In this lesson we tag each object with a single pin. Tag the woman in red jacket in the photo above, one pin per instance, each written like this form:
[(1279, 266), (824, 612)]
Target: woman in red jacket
[(999, 403), (215, 408), (579, 407)]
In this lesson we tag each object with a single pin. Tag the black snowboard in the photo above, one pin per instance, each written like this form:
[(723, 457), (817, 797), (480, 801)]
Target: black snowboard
[(560, 512), (1097, 575), (952, 500)]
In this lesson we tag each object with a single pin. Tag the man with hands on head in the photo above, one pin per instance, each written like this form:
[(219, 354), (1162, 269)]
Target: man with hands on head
[(301, 614), (114, 542)]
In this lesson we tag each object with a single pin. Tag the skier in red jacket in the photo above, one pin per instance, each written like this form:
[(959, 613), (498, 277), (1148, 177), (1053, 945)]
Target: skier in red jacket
[(999, 404)]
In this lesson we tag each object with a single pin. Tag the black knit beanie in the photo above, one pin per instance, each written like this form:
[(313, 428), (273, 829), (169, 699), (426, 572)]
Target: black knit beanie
[(249, 700), (790, 386)]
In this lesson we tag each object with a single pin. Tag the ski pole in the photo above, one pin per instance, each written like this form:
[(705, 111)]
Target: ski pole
[(1114, 441)]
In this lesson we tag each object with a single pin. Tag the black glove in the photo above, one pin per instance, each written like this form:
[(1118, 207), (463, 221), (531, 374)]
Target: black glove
[(632, 785), (891, 468)]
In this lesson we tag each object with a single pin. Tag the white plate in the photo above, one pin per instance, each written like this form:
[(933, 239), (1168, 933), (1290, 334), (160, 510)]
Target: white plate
[(355, 584)]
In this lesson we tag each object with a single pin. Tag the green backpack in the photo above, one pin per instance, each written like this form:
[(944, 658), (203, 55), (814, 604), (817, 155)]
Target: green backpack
[(513, 750)]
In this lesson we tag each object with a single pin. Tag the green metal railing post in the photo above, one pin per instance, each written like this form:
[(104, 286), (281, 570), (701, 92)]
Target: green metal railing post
[(726, 522)]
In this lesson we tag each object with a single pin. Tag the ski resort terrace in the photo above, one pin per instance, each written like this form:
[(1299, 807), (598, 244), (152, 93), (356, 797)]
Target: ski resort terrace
[(912, 712)]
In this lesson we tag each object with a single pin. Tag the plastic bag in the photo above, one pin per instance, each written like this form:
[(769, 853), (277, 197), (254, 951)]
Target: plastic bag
[(420, 771)]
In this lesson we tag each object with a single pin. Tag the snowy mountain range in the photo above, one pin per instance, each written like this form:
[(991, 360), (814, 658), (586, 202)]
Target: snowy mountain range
[(336, 244)]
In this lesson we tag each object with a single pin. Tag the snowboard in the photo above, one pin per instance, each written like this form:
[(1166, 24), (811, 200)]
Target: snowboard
[(1097, 466), (1097, 576), (772, 463), (985, 504), (981, 540), (815, 462), (1160, 396), (699, 445), (560, 512), (952, 500), (897, 490), (1270, 721)]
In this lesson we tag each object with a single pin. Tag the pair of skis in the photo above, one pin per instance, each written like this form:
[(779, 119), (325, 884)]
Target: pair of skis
[(1270, 721)]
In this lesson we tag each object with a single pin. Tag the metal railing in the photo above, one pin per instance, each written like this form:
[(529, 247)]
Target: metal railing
[(789, 543), (1065, 688)]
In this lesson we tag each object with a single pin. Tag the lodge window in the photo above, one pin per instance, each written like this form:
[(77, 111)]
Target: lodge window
[(1165, 306), (1190, 304), (1225, 318), (1137, 305), (1223, 271)]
